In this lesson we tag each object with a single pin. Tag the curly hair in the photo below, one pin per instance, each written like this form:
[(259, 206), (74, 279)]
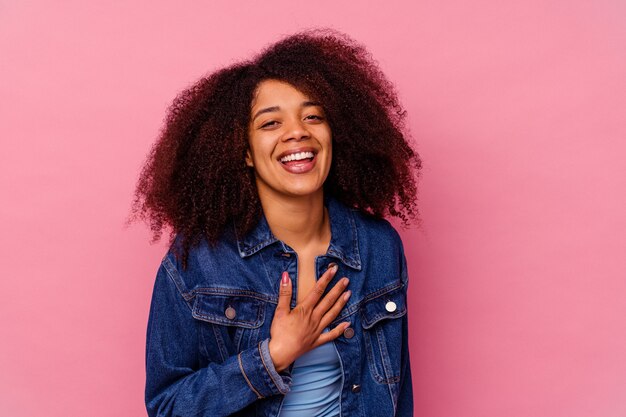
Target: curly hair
[(195, 180)]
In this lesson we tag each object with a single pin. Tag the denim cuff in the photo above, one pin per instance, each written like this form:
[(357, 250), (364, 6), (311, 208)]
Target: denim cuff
[(258, 369)]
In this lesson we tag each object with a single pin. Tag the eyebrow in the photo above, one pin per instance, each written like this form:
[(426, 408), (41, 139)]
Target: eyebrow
[(277, 108)]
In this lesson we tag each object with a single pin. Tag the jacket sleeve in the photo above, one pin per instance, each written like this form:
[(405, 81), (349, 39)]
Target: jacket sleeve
[(176, 385), (405, 396)]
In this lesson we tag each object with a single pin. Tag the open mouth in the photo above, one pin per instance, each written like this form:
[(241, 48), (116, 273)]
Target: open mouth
[(297, 158), (299, 162)]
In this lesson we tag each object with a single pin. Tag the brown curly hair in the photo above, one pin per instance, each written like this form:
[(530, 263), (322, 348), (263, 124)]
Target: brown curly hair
[(195, 180)]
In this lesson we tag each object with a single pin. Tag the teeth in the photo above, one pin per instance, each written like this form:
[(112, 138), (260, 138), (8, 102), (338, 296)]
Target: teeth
[(297, 156)]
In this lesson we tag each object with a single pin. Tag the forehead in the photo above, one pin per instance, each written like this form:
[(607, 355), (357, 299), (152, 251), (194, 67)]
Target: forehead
[(275, 92)]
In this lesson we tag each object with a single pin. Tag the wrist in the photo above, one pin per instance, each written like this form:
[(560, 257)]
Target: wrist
[(280, 364)]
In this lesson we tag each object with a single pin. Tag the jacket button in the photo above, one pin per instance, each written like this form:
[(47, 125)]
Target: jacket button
[(348, 333), (391, 306), (286, 255), (356, 388), (230, 313)]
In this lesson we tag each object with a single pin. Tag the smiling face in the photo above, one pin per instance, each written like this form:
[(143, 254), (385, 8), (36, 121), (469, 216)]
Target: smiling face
[(290, 141)]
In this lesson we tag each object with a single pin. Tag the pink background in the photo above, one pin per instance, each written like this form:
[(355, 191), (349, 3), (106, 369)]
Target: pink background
[(518, 276)]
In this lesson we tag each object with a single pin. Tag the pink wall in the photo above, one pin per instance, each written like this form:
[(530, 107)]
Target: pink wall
[(518, 275)]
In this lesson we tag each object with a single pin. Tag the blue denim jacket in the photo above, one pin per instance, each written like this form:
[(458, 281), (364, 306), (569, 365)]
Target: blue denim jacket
[(207, 341)]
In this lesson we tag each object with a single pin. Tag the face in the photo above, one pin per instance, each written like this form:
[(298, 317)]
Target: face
[(290, 141)]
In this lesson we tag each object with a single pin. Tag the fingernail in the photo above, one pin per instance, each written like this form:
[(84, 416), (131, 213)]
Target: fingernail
[(347, 295), (332, 265), (285, 278), (346, 281)]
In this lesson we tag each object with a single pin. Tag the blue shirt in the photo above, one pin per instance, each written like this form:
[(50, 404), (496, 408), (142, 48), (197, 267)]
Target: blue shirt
[(316, 384), (209, 325)]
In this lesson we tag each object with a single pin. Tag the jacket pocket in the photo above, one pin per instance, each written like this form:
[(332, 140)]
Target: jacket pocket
[(381, 319), (232, 322)]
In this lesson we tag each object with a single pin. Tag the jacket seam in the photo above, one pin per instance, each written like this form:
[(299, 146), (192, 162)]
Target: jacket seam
[(171, 270), (259, 396), (233, 292), (268, 371), (351, 309)]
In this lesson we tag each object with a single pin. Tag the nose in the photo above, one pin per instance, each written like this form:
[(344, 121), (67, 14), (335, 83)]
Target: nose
[(296, 130)]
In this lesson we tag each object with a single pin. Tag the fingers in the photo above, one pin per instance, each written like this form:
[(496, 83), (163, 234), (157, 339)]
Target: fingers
[(331, 314), (333, 334), (284, 295), (329, 300), (320, 286)]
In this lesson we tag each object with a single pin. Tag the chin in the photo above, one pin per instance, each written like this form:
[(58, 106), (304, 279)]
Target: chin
[(303, 192)]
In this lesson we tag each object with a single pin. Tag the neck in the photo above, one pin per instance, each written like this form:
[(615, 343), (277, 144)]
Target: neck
[(301, 222)]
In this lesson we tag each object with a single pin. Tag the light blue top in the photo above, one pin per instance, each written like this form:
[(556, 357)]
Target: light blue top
[(316, 384)]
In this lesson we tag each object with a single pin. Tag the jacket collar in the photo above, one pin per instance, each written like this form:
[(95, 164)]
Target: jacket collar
[(344, 242)]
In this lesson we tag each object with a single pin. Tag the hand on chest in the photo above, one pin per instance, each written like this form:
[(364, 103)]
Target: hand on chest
[(306, 276)]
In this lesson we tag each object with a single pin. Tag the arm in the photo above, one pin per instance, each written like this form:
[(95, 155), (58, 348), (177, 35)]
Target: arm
[(177, 386), (405, 396)]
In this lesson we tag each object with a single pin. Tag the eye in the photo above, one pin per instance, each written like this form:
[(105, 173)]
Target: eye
[(269, 124), (314, 117)]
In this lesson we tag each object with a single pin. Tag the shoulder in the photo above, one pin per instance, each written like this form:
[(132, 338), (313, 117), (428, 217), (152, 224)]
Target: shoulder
[(203, 260), (380, 243), (368, 228), (375, 230), (380, 251)]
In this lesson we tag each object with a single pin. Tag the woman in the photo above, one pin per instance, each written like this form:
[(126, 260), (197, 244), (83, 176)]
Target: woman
[(284, 290)]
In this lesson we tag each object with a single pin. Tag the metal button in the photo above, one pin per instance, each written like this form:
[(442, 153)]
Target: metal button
[(391, 306), (286, 255), (356, 388), (348, 333), (230, 313)]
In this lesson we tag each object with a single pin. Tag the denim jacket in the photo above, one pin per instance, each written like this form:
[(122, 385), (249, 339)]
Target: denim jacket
[(209, 326)]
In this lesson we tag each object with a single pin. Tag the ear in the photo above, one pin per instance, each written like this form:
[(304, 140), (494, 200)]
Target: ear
[(249, 159)]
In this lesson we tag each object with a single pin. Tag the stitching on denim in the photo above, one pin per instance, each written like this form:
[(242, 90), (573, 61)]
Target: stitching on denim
[(369, 351), (251, 251), (239, 332), (347, 261), (227, 322), (228, 291), (380, 316), (384, 356), (370, 321), (394, 399), (243, 337), (260, 318), (243, 246), (260, 246), (202, 339), (246, 377), (268, 371), (267, 274), (353, 261), (371, 358), (220, 342), (176, 278), (383, 291), (351, 309)]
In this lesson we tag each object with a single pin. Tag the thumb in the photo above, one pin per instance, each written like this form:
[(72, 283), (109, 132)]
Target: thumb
[(284, 295)]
